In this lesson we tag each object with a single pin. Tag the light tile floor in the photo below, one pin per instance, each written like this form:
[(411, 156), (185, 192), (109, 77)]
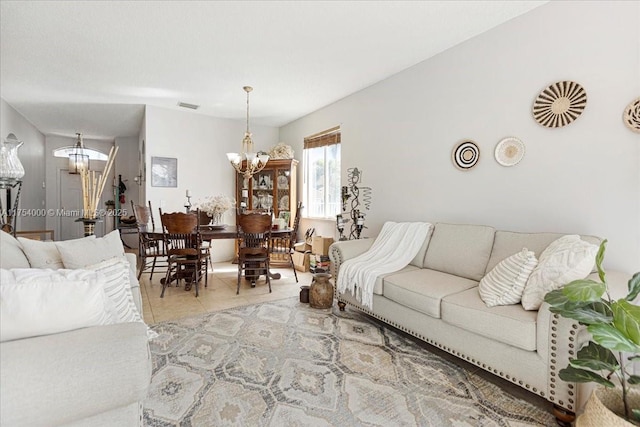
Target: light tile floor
[(218, 295)]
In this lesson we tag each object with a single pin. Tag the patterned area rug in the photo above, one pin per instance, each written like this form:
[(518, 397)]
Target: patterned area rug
[(283, 363)]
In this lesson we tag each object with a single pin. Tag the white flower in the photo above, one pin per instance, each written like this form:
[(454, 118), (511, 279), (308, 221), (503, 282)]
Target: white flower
[(216, 205), (281, 151)]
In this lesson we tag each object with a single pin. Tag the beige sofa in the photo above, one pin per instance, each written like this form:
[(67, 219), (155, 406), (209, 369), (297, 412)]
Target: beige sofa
[(94, 376), (436, 299)]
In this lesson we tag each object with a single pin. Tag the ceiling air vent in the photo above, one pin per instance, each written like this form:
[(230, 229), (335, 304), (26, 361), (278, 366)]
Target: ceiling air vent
[(187, 105)]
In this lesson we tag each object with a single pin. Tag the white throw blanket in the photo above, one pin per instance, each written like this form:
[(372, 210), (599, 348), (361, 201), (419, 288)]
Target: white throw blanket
[(394, 248)]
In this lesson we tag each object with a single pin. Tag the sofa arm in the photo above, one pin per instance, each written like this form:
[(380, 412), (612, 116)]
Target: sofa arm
[(55, 379), (558, 341), (343, 250)]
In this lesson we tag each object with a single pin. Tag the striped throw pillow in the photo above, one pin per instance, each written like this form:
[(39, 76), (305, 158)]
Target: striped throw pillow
[(118, 289), (504, 284)]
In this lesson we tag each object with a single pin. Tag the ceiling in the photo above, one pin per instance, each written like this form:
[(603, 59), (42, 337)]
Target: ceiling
[(91, 66)]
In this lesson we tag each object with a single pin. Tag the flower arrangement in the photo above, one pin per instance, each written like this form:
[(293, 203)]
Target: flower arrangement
[(281, 151), (215, 206)]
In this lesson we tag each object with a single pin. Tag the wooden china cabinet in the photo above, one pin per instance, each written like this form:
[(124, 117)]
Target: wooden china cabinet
[(273, 188)]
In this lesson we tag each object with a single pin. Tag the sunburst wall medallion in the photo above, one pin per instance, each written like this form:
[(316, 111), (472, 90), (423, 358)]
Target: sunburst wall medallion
[(631, 115), (559, 104), (465, 155)]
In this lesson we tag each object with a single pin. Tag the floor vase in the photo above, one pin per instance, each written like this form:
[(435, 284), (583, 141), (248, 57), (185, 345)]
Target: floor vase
[(321, 291)]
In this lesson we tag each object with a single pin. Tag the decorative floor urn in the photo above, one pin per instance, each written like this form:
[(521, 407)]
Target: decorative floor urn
[(321, 291)]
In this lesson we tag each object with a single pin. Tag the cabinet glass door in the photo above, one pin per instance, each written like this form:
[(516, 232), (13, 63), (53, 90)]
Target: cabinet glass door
[(263, 186), (282, 194)]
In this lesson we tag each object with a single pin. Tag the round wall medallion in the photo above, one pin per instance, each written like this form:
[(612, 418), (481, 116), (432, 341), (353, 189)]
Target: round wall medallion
[(509, 151), (465, 155), (559, 104), (631, 115)]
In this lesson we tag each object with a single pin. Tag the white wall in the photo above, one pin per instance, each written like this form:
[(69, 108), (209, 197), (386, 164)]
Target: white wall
[(31, 155), (582, 178), (199, 143)]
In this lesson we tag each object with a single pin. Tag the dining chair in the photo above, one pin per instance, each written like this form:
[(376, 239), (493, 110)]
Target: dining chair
[(254, 235), (151, 250), (204, 219), (282, 247), (153, 223), (184, 249)]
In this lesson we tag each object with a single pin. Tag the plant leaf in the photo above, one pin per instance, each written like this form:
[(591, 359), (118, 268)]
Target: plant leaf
[(576, 375), (596, 358), (556, 298), (609, 337), (634, 287), (585, 290), (634, 379), (636, 414), (626, 319), (588, 314), (599, 258)]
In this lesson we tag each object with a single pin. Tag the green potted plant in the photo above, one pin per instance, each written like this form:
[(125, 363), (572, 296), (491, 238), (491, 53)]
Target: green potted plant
[(614, 326)]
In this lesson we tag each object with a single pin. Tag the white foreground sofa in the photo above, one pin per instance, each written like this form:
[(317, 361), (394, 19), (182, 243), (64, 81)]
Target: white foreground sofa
[(436, 298), (94, 376)]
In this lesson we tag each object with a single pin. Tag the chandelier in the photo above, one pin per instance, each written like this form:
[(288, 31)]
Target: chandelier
[(247, 162), (78, 160)]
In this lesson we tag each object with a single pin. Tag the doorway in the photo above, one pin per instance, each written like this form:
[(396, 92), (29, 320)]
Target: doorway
[(70, 207)]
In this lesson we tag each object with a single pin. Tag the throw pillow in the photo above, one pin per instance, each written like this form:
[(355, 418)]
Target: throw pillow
[(117, 287), (504, 284), (41, 254), (564, 260), (36, 302), (83, 252), (12, 254)]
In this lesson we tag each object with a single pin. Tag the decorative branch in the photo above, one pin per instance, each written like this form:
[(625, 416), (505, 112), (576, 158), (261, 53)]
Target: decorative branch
[(93, 186)]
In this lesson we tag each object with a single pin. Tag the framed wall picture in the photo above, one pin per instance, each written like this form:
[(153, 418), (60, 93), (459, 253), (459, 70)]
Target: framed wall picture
[(164, 172)]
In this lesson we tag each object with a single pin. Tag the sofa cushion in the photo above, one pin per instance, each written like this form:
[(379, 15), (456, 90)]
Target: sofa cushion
[(508, 243), (568, 258), (11, 251), (37, 302), (505, 283), (80, 253), (460, 249), (423, 289), (74, 375), (509, 324), (418, 260), (378, 288)]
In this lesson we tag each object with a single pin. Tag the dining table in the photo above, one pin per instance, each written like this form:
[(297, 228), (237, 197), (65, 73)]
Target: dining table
[(213, 232)]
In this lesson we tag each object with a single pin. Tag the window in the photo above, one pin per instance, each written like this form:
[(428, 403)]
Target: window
[(322, 174), (93, 154)]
